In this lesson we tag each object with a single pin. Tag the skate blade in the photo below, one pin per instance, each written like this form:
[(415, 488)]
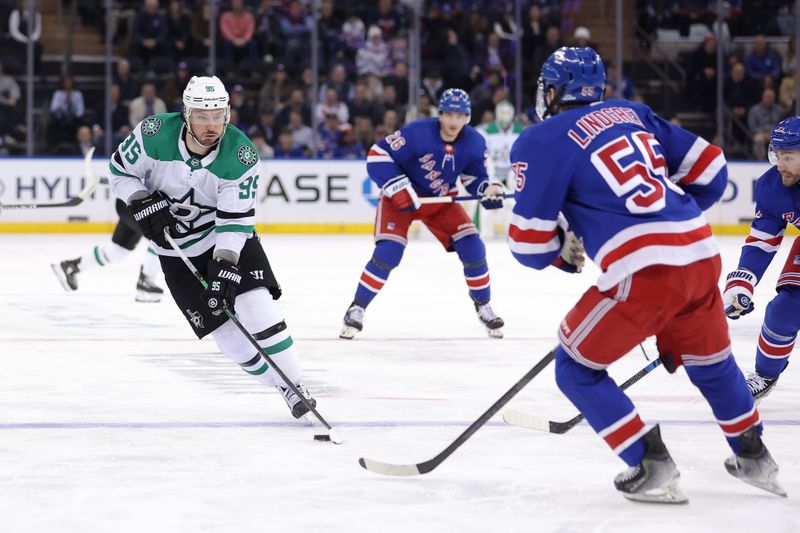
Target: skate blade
[(496, 333), (347, 332), (62, 278), (670, 495), (142, 296), (770, 484)]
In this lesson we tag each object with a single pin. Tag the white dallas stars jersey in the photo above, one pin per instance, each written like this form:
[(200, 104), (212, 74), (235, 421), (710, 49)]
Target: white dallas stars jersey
[(213, 198), (498, 143)]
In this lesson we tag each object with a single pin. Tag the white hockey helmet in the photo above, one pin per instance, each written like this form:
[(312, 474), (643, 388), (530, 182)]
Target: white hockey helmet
[(504, 113), (205, 92)]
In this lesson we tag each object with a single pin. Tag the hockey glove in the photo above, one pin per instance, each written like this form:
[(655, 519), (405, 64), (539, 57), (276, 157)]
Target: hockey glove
[(223, 279), (402, 194), (492, 196), (153, 216), (738, 295), (573, 255)]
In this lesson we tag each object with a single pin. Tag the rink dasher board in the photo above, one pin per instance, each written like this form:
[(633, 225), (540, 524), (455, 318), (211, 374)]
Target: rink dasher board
[(294, 196)]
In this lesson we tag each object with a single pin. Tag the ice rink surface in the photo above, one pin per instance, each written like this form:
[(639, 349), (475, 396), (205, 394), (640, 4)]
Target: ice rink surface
[(114, 418)]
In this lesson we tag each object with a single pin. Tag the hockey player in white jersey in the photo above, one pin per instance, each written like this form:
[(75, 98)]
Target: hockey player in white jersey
[(500, 136), (196, 175)]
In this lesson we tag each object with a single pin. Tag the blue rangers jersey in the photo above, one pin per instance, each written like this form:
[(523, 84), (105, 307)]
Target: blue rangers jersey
[(432, 165), (629, 183), (776, 206)]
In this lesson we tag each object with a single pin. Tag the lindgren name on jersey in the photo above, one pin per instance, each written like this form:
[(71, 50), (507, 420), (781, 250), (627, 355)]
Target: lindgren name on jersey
[(594, 123)]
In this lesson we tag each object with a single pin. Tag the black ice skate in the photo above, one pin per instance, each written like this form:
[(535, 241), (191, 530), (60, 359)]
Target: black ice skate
[(760, 386), (353, 321), (492, 322), (147, 290), (656, 478), (754, 464), (67, 273), (296, 405)]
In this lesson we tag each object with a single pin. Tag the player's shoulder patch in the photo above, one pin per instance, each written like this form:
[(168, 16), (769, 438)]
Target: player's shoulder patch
[(151, 125), (247, 155)]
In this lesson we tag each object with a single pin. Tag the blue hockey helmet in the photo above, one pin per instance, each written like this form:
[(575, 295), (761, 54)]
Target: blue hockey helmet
[(456, 101), (785, 136), (577, 74)]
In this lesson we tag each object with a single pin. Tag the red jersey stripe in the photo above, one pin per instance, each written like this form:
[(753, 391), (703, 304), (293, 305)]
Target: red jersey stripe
[(707, 156), (625, 432), (531, 236)]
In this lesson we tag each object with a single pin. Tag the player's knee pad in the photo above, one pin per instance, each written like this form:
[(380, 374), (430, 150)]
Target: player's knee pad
[(571, 375), (257, 311), (471, 251), (387, 254), (232, 343)]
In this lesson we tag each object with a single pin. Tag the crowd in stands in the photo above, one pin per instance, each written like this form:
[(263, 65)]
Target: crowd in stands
[(263, 55)]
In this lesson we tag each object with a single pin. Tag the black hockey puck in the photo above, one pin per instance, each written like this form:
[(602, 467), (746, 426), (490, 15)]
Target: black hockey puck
[(324, 438)]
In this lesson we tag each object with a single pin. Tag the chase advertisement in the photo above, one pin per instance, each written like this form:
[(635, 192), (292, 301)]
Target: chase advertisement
[(294, 196)]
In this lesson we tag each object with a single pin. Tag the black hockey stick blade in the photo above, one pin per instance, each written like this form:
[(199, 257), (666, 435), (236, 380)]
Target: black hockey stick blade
[(389, 469), (91, 182), (518, 418)]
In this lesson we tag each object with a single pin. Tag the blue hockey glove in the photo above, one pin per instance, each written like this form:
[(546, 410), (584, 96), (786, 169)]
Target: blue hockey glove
[(492, 196)]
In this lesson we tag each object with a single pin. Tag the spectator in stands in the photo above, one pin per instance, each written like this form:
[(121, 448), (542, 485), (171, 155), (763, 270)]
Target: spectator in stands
[(390, 120), (456, 67), (238, 28), (286, 148), (172, 91), (426, 108), (582, 38), (740, 92), (786, 92), (265, 151), (146, 104), (302, 135), (66, 108), (296, 27), (551, 43), (364, 131), (432, 84), (276, 89), (21, 29), (120, 128), (373, 56), (179, 30), (761, 119), (268, 32), (9, 106), (150, 35), (361, 106), (245, 105), (201, 38), (762, 60), (389, 102), (327, 137), (701, 83), (296, 102), (266, 126), (533, 31), (348, 146), (337, 80), (399, 80), (129, 88), (329, 29), (353, 31), (84, 140), (331, 105)]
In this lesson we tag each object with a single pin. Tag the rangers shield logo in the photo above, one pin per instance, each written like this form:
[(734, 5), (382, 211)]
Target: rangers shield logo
[(247, 156), (150, 126)]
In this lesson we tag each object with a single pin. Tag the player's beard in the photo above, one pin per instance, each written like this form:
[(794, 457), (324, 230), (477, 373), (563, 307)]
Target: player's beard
[(789, 180)]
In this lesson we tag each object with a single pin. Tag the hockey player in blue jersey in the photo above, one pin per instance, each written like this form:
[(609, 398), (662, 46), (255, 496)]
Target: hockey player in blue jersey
[(426, 158), (632, 187), (777, 196)]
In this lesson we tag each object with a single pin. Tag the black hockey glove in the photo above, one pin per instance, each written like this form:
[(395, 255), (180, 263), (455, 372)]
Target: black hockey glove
[(153, 216), (223, 279)]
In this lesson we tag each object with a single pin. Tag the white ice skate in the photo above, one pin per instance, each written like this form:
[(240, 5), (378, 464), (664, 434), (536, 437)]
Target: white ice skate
[(353, 321), (296, 405), (488, 318)]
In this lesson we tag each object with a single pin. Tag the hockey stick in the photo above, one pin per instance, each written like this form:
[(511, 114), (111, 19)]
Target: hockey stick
[(526, 420), (450, 199), (424, 467), (91, 182), (332, 434)]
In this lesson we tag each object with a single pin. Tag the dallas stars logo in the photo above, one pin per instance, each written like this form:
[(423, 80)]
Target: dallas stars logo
[(187, 210), (150, 126), (247, 156)]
